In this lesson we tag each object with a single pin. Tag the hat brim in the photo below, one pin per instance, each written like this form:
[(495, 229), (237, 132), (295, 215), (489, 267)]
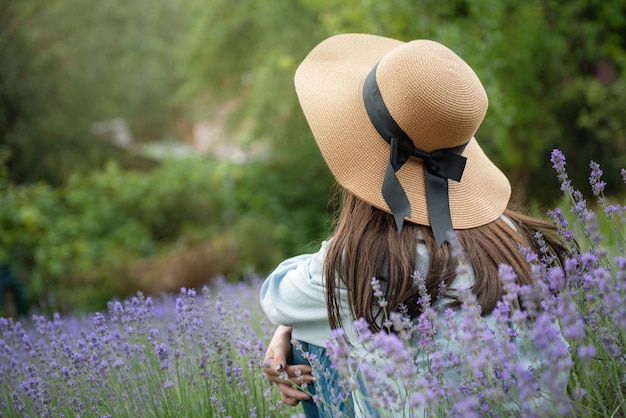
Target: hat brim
[(329, 85)]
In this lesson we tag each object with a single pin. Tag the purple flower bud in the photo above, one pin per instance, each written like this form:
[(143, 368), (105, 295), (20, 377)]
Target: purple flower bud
[(597, 185), (589, 259), (558, 163), (556, 278), (586, 352), (363, 330)]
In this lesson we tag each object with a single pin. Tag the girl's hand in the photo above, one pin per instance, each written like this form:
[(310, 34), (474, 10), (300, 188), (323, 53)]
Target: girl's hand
[(277, 369)]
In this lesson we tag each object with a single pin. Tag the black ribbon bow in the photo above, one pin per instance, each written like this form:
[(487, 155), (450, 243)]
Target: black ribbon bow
[(439, 166)]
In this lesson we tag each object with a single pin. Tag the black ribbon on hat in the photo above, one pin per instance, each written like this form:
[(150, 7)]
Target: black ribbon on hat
[(439, 166)]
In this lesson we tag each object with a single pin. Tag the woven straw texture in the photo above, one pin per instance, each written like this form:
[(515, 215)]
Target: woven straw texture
[(432, 94)]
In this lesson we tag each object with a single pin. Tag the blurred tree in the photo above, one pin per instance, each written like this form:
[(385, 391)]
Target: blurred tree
[(554, 72), (246, 52), (539, 60), (65, 64)]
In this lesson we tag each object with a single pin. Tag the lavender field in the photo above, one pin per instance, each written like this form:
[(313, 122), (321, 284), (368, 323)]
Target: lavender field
[(191, 354), (200, 353)]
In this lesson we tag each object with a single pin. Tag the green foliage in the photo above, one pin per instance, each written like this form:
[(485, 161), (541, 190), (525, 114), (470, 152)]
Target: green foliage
[(554, 73), (72, 246), (66, 64)]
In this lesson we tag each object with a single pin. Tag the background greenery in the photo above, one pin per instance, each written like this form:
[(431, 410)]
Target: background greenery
[(82, 221)]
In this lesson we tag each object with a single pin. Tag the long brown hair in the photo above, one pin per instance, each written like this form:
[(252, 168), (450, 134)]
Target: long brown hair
[(365, 244)]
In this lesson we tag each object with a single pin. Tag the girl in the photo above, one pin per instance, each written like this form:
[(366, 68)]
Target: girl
[(395, 123)]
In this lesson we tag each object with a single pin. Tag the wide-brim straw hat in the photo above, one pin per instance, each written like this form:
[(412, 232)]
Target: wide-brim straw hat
[(431, 93)]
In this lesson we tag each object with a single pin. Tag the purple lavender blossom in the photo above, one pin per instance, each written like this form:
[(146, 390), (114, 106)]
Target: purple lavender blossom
[(363, 330), (596, 182), (586, 352), (558, 163), (125, 363), (560, 221), (200, 354), (419, 280), (378, 293)]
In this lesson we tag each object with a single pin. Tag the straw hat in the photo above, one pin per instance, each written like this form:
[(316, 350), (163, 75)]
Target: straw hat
[(430, 93)]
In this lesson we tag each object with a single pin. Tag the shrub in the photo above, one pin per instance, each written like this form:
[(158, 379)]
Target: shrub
[(77, 246)]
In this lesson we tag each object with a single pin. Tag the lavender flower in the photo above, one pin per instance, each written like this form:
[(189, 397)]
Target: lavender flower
[(378, 293), (199, 354), (596, 182), (558, 163), (130, 362)]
